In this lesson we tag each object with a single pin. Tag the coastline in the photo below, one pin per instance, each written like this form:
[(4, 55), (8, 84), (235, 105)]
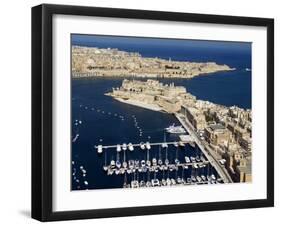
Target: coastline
[(101, 62), (140, 104), (79, 75)]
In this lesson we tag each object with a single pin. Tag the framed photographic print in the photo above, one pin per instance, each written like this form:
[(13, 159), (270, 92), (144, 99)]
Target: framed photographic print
[(146, 112)]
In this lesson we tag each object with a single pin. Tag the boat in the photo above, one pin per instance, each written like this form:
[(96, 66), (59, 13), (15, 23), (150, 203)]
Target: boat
[(124, 146), (175, 129), (166, 161), (202, 158), (110, 171), (169, 182), (142, 145), (181, 144), (125, 164), (118, 147), (213, 177), (164, 145), (134, 184), (179, 180), (160, 162), (122, 170), (137, 163), (148, 184), (112, 163), (203, 177), (248, 69), (163, 182), (148, 163), (176, 144), (155, 182), (197, 159), (142, 163), (142, 183), (131, 164), (177, 161), (195, 166), (199, 179), (188, 180), (187, 160), (99, 149), (148, 147), (154, 161), (192, 159), (118, 164), (130, 146)]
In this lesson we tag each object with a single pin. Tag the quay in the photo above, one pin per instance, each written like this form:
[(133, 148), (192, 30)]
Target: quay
[(153, 168), (190, 140), (207, 152)]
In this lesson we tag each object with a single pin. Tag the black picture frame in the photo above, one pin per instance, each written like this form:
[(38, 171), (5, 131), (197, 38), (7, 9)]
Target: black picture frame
[(42, 111)]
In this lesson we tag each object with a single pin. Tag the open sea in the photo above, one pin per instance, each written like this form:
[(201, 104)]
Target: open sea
[(99, 119)]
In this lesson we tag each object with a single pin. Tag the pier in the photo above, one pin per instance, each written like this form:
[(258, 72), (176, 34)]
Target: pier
[(156, 168), (190, 140)]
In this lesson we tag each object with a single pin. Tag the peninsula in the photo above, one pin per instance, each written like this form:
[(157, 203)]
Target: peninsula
[(92, 62), (223, 133)]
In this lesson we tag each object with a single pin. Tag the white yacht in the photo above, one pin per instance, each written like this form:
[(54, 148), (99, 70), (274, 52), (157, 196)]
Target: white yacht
[(99, 149), (112, 163), (203, 177), (199, 179), (142, 163), (155, 182), (175, 129), (125, 164), (118, 147), (130, 146), (187, 160), (142, 145), (105, 168), (169, 182), (148, 147), (124, 146), (213, 177)]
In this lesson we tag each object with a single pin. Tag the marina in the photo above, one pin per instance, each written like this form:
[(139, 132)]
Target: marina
[(163, 171)]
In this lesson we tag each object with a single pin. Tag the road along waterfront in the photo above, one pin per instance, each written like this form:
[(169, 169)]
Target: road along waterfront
[(208, 153)]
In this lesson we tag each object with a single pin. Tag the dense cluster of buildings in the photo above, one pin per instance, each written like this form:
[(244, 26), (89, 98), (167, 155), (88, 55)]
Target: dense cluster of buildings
[(91, 61), (226, 131)]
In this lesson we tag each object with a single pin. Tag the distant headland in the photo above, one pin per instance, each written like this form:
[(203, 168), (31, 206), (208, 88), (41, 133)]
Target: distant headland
[(97, 62)]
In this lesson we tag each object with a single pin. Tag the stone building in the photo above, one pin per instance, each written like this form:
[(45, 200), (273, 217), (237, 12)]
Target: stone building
[(195, 116), (217, 134)]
